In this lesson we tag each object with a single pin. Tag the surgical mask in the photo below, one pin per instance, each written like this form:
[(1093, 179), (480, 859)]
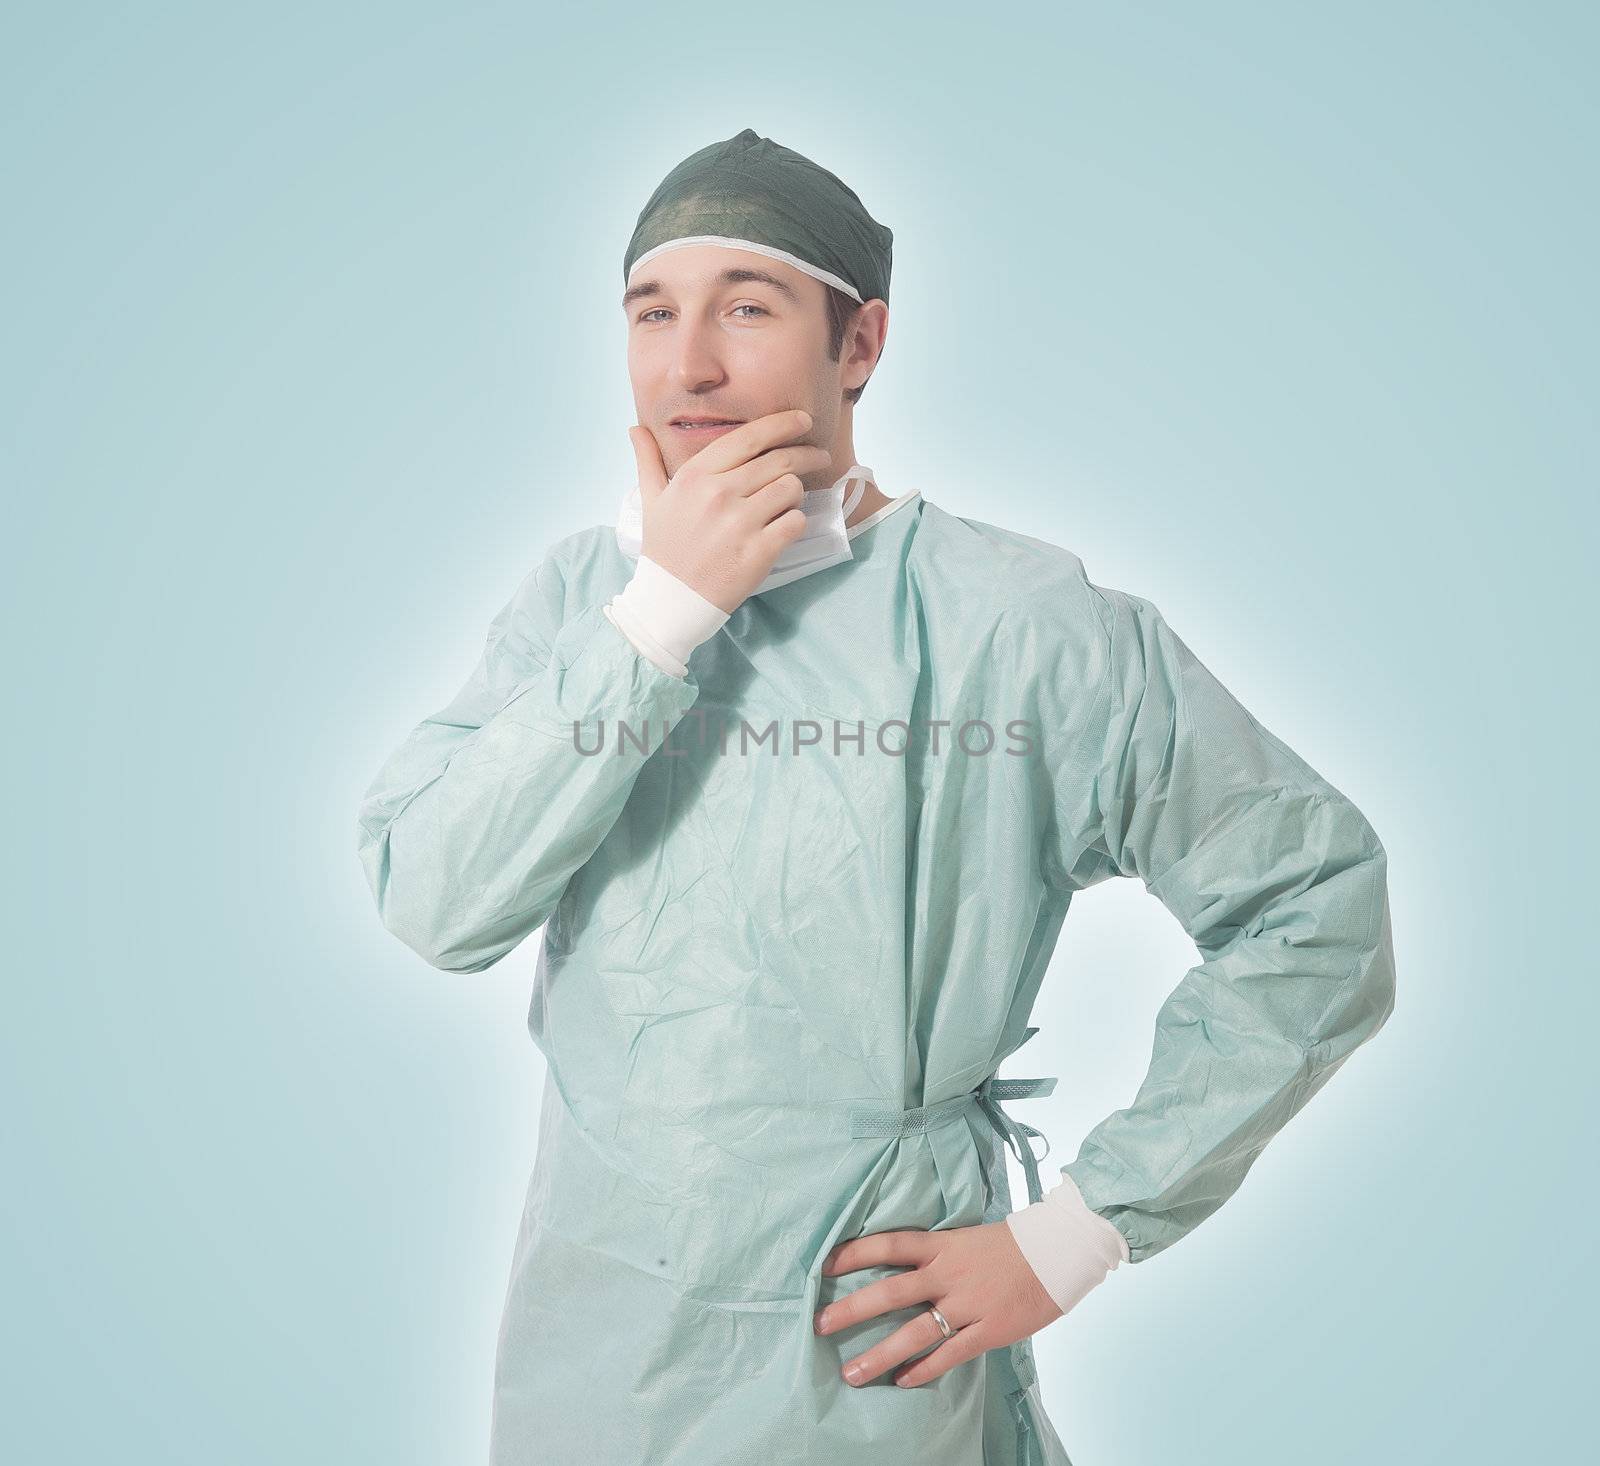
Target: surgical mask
[(825, 541)]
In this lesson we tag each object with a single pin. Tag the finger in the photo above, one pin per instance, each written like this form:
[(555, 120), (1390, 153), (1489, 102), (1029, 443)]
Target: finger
[(967, 1344), (795, 458), (920, 1333), (903, 1290), (778, 497), (882, 1249), (786, 529), (647, 457)]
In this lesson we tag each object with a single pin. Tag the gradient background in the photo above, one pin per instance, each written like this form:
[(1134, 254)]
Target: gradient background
[(1280, 315)]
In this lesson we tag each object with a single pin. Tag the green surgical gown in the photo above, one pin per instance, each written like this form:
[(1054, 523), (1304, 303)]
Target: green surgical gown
[(779, 973)]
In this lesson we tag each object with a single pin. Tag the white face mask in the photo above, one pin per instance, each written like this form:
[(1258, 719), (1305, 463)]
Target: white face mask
[(825, 541)]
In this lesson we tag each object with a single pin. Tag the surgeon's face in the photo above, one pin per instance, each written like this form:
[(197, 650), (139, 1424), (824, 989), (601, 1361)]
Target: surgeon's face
[(727, 333)]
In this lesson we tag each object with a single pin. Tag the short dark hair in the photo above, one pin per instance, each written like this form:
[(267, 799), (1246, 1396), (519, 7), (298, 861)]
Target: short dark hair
[(841, 311)]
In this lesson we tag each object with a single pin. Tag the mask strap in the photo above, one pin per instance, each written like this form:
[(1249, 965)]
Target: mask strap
[(862, 476)]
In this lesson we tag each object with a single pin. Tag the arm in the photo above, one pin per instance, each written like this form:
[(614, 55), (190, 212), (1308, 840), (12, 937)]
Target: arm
[(1280, 882), (474, 825)]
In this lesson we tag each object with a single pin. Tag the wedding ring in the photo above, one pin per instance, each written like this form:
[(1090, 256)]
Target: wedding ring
[(943, 1322)]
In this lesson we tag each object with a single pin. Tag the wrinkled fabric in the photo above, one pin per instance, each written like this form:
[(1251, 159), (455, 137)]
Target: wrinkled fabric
[(775, 988)]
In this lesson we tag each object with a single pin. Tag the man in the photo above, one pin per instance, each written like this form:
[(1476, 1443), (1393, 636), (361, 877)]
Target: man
[(800, 785)]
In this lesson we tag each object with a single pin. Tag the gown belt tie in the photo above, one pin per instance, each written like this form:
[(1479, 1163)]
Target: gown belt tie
[(868, 1122)]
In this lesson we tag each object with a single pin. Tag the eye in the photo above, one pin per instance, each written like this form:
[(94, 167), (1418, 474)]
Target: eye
[(661, 309)]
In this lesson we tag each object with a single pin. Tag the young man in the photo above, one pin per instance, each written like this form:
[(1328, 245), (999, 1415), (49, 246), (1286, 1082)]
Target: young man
[(800, 786)]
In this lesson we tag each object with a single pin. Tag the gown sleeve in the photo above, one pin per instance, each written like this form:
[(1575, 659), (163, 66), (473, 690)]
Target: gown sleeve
[(476, 822), (1280, 882)]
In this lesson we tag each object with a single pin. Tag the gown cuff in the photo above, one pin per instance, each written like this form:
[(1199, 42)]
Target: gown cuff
[(1069, 1247), (663, 617)]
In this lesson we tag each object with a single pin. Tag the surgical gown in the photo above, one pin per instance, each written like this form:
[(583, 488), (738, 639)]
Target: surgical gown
[(779, 972)]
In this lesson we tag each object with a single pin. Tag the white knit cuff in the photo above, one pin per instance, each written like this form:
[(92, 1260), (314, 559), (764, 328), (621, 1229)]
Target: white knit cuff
[(646, 645), (663, 617), (1069, 1247)]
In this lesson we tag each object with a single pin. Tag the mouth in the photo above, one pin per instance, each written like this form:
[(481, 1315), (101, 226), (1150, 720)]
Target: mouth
[(706, 427)]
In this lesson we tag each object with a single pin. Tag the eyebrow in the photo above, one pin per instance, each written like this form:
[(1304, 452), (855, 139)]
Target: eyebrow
[(735, 276)]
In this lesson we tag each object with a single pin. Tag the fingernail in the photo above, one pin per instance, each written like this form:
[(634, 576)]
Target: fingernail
[(822, 1322), (852, 1372)]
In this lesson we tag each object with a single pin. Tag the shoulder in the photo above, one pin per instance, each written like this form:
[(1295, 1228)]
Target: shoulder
[(577, 570), (1043, 596), (572, 555), (990, 558)]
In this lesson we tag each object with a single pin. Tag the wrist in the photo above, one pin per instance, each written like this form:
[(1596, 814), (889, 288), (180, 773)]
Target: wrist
[(658, 608), (1070, 1248)]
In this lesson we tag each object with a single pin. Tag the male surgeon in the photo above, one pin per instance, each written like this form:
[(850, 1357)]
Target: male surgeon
[(800, 780)]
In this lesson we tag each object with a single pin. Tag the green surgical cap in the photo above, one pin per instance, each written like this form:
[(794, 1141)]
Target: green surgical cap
[(752, 193)]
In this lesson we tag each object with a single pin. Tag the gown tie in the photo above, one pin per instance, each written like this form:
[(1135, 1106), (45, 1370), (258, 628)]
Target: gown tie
[(875, 1122)]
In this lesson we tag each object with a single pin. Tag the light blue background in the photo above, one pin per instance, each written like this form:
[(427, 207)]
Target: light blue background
[(1281, 315)]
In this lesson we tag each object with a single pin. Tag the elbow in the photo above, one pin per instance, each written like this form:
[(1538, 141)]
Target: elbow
[(1380, 942), (445, 944), (429, 919), (1354, 934), (460, 957), (1381, 974), (1369, 996), (455, 919)]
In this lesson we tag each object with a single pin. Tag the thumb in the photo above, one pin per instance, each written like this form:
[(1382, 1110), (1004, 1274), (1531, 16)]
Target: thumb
[(647, 456)]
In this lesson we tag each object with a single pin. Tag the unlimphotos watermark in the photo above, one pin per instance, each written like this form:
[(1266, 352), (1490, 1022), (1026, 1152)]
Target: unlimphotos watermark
[(972, 737)]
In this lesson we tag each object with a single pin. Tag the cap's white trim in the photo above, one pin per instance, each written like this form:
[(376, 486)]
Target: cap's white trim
[(816, 272), (881, 512)]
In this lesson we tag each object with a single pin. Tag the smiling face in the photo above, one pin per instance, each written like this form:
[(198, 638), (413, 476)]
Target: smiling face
[(715, 332)]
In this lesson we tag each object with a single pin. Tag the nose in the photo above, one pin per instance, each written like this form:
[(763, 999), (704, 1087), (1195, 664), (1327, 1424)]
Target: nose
[(696, 357)]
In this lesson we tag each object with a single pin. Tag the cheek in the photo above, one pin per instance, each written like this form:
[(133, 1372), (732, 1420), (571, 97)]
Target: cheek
[(648, 360)]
